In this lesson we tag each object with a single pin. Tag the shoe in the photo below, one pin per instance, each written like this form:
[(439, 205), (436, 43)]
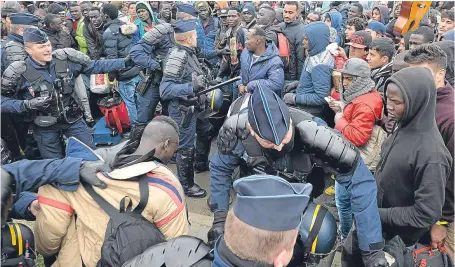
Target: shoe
[(195, 192), (330, 191), (212, 207)]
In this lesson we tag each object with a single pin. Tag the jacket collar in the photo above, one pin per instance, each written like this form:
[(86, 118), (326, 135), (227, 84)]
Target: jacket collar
[(444, 92), (38, 66), (230, 259), (187, 49), (16, 37)]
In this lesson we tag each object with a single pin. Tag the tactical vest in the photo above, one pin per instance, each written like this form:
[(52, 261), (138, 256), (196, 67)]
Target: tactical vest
[(293, 166), (14, 51), (65, 105)]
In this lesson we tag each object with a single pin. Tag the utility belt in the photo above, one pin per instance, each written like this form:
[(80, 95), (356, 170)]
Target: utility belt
[(292, 177)]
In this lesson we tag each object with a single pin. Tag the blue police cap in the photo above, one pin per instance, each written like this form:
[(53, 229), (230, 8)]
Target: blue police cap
[(270, 202), (188, 9), (187, 25), (35, 36), (268, 115), (24, 19)]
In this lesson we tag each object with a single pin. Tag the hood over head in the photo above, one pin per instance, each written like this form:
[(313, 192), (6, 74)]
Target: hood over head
[(384, 11), (336, 20), (448, 47), (141, 5), (318, 33), (419, 94)]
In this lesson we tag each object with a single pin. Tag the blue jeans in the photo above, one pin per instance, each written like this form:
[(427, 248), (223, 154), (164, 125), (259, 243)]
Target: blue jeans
[(127, 92), (146, 104), (343, 202)]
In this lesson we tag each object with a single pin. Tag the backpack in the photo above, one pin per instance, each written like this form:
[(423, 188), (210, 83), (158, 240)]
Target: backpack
[(128, 233), (427, 257), (283, 49), (115, 113)]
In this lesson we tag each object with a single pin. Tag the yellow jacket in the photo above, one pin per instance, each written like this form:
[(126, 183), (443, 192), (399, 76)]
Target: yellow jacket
[(77, 238)]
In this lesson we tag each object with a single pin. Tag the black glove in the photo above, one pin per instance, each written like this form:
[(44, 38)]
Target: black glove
[(223, 52), (128, 62), (38, 103), (199, 83), (90, 122), (89, 169), (291, 86), (216, 81), (219, 219)]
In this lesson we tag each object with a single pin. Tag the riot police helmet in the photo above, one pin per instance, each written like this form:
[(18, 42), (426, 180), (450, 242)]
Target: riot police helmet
[(8, 192)]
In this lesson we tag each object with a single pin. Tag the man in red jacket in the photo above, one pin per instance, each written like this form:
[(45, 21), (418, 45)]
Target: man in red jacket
[(433, 57)]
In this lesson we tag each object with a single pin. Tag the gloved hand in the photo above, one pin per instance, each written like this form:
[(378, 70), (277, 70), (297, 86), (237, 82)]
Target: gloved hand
[(219, 219), (216, 81), (223, 52), (199, 83), (129, 62), (374, 258), (89, 169), (291, 86), (90, 122), (289, 98), (40, 103)]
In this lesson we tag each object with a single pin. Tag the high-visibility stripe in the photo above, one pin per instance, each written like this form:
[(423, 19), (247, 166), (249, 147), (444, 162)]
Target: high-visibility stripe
[(213, 100), (13, 234), (55, 204), (313, 220), (19, 238)]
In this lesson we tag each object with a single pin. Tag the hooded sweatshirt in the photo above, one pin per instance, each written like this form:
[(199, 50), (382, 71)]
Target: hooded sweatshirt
[(337, 23), (415, 164), (143, 27), (316, 78), (384, 11)]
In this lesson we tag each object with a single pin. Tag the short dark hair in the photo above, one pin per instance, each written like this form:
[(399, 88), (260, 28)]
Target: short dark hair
[(95, 8), (167, 120), (384, 46), (427, 53), (426, 32), (317, 14), (270, 9), (73, 4), (294, 3), (49, 19), (358, 23), (259, 32), (234, 9), (110, 10), (131, 3), (359, 6), (447, 14)]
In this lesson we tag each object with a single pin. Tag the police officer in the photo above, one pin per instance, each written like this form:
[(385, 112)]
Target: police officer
[(149, 53), (266, 136), (182, 79), (43, 89), (13, 48)]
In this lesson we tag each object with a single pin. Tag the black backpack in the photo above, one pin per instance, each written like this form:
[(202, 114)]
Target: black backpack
[(128, 233)]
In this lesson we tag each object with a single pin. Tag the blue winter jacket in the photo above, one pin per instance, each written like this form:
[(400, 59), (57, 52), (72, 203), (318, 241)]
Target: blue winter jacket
[(267, 71), (206, 42), (337, 23), (316, 77)]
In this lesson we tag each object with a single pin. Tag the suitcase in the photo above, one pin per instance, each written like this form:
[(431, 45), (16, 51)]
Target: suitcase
[(103, 135)]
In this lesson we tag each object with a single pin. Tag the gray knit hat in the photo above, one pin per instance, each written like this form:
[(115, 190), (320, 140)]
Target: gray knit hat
[(356, 67)]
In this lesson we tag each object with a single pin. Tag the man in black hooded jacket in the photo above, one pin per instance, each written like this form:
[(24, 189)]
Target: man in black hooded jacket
[(415, 164)]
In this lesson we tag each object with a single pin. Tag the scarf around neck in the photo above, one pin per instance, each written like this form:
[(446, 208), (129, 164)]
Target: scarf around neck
[(359, 86)]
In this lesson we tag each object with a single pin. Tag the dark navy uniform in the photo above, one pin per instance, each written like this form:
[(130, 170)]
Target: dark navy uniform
[(180, 73), (149, 54), (52, 85), (311, 144)]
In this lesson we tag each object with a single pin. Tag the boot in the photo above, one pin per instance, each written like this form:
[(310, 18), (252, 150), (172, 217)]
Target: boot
[(219, 219), (202, 155), (185, 170)]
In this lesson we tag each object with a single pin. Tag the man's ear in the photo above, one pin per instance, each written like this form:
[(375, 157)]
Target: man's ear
[(280, 259), (385, 59)]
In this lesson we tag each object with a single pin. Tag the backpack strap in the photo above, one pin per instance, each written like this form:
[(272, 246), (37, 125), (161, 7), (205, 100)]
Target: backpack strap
[(144, 198), (315, 230)]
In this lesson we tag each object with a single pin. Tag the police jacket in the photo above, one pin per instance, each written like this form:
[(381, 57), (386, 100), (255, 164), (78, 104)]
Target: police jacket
[(31, 174), (180, 67), (12, 50), (154, 47), (78, 240), (27, 79)]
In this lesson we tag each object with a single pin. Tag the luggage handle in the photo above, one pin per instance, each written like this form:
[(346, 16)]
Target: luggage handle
[(116, 118)]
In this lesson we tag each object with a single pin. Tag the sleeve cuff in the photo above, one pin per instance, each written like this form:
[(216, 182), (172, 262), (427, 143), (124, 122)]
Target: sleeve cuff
[(384, 215)]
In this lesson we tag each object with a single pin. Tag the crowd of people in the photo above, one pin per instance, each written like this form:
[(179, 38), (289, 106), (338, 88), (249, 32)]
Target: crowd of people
[(305, 101)]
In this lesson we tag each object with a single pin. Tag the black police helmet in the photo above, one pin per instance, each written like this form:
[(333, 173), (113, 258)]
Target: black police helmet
[(8, 189), (18, 241)]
